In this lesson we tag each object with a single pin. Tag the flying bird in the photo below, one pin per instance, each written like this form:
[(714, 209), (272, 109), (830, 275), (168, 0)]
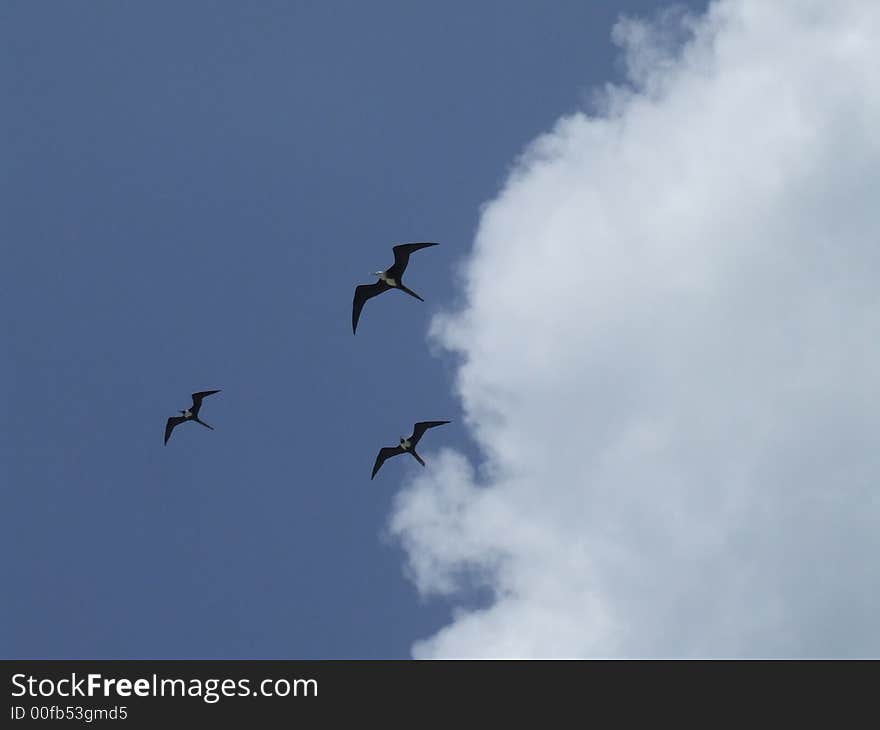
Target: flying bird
[(391, 278), (190, 414), (407, 445)]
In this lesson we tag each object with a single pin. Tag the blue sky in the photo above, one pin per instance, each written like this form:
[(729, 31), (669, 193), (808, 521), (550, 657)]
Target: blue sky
[(190, 193)]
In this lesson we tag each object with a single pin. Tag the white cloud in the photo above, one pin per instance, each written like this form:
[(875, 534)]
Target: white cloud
[(670, 359)]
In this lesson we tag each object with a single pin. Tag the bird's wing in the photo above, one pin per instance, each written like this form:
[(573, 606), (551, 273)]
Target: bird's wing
[(385, 453), (401, 257), (170, 424), (420, 428), (361, 294), (197, 399)]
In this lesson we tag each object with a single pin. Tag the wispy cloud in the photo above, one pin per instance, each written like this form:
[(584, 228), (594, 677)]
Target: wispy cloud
[(670, 359)]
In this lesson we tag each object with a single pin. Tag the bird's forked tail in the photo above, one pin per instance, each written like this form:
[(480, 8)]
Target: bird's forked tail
[(410, 292), (417, 458), (198, 420)]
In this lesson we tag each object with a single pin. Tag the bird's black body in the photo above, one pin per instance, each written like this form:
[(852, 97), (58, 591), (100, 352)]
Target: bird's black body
[(406, 445), (391, 278), (190, 415)]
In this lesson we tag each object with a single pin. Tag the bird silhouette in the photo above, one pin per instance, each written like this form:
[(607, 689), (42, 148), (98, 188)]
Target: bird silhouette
[(391, 278), (406, 446), (191, 414)]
